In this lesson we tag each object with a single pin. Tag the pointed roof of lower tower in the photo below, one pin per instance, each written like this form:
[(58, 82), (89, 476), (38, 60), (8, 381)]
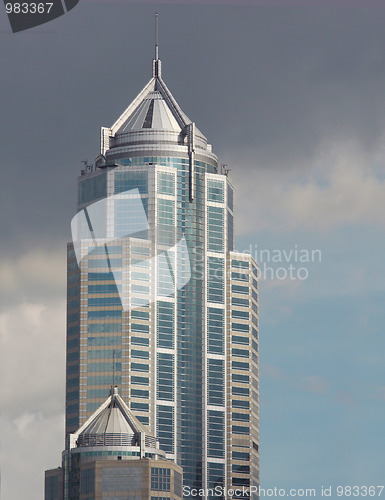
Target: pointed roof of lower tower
[(113, 423)]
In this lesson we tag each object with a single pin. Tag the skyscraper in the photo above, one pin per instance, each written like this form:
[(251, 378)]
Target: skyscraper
[(158, 302)]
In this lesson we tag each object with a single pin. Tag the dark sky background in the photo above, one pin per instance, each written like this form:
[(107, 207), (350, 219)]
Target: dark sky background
[(293, 100), (276, 80)]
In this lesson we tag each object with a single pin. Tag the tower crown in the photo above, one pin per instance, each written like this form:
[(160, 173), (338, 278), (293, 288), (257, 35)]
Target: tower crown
[(153, 117), (113, 424)]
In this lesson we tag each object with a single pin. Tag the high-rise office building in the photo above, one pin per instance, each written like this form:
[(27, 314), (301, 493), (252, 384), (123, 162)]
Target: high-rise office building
[(158, 302)]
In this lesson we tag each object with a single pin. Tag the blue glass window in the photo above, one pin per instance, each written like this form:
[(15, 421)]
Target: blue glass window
[(166, 324), (240, 276), (139, 367), (166, 183), (139, 380), (105, 301), (215, 229), (103, 379), (104, 367), (139, 393), (238, 365), (165, 424), (137, 327), (135, 288), (98, 393), (240, 314), (230, 231), (230, 197), (237, 301), (236, 377), (242, 264), (165, 275), (140, 354), (215, 378), (237, 403), (236, 339), (105, 250), (104, 353), (72, 356), (215, 278), (241, 417), (140, 250), (104, 327), (135, 406), (238, 429), (215, 478), (72, 382), (92, 263), (241, 469), (92, 188), (240, 391), (240, 352), (240, 289), (101, 276), (140, 341), (240, 327), (103, 289), (106, 313), (166, 222), (215, 191), (91, 407), (131, 216), (216, 434), (98, 341), (125, 181), (238, 455), (165, 376), (140, 315), (215, 330), (72, 395), (72, 343)]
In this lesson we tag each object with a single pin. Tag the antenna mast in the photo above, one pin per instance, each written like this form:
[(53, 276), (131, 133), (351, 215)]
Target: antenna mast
[(113, 369), (156, 62), (156, 38)]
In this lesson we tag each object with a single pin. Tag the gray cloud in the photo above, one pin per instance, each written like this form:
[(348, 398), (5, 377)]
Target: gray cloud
[(277, 81), (340, 187)]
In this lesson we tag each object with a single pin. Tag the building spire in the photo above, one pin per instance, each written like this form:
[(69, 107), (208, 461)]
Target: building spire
[(156, 63), (156, 37)]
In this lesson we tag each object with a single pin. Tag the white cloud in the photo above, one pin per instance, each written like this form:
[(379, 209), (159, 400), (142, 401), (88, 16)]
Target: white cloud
[(342, 186), (34, 276), (30, 444), (32, 338), (32, 367)]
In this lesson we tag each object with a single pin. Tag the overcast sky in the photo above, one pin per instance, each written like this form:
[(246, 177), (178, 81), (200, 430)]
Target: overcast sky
[(293, 100)]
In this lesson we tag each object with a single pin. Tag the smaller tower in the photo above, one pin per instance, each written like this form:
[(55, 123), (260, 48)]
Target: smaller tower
[(111, 454)]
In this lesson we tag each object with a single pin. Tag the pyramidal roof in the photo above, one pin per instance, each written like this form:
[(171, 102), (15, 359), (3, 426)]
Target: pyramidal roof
[(113, 423), (154, 108)]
